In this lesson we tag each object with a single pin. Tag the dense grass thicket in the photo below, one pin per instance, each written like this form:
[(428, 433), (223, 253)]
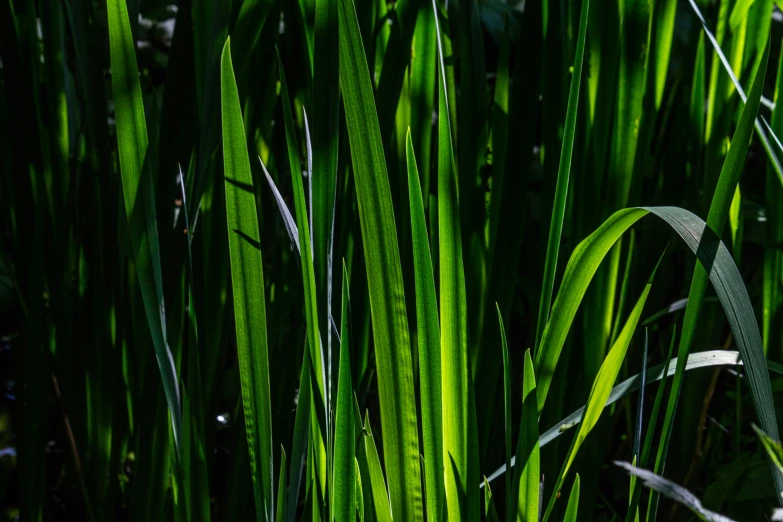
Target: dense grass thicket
[(465, 260)]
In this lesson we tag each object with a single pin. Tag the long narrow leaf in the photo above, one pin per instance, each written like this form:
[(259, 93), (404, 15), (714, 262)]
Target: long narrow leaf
[(428, 334), (384, 274), (137, 189), (247, 279)]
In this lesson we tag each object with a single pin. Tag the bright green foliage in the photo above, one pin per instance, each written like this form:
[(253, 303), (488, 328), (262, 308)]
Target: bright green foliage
[(384, 275), (186, 188), (573, 502), (247, 279)]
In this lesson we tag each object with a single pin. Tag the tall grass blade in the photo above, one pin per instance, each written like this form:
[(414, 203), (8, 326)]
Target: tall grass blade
[(384, 274), (137, 189), (527, 475), (247, 279), (453, 314), (344, 498), (428, 335), (506, 411)]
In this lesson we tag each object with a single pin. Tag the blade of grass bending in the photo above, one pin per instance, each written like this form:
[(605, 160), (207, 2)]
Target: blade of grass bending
[(506, 410), (344, 497), (716, 219), (247, 279), (573, 502), (139, 198), (563, 175), (384, 274), (602, 387), (759, 123), (429, 345), (696, 361), (673, 491), (527, 475), (723, 274)]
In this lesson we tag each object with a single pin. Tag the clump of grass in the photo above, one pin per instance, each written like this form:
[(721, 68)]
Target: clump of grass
[(374, 320)]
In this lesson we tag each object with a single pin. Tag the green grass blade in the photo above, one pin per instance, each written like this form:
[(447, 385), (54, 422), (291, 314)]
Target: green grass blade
[(696, 134), (139, 198), (490, 512), (358, 492), (772, 447), (428, 343), (344, 498), (380, 497), (379, 237), (724, 275), (247, 279), (573, 502), (422, 84), (648, 439), (453, 314), (775, 160), (301, 436), (773, 258), (506, 410), (527, 474), (657, 373), (664, 14), (281, 489), (716, 219), (602, 387), (499, 146), (317, 356), (326, 112), (563, 175)]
